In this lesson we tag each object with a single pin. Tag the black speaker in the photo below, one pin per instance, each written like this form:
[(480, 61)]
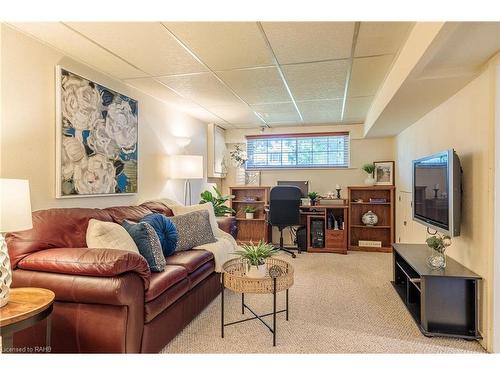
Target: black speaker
[(302, 238)]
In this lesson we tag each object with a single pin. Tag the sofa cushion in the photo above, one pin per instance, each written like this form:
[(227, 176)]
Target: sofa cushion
[(201, 274), (148, 243), (155, 307), (161, 281), (53, 228), (193, 229), (158, 207), (166, 231), (191, 260), (181, 210), (108, 235), (132, 213)]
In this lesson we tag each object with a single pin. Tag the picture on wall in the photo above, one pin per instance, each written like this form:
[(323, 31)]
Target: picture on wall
[(96, 139), (384, 172)]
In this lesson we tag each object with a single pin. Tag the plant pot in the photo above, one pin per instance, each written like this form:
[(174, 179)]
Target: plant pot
[(256, 272), (249, 215), (313, 202), (369, 180), (437, 260)]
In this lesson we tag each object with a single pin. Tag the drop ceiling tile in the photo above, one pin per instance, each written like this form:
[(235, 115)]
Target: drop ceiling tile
[(236, 114), (262, 85), (147, 45), (79, 48), (321, 111), (295, 42), (224, 45), (203, 89), (323, 80), (357, 108), (274, 113), (377, 38), (154, 88), (203, 115), (368, 73)]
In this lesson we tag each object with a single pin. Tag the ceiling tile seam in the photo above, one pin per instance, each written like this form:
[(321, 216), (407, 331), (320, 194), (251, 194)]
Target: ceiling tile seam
[(139, 69), (188, 50), (333, 60), (280, 71), (349, 70)]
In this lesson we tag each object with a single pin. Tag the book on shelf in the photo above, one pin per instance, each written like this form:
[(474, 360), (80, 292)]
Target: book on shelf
[(365, 243), (378, 200)]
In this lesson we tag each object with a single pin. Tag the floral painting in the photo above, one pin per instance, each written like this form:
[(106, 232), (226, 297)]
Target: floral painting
[(97, 139)]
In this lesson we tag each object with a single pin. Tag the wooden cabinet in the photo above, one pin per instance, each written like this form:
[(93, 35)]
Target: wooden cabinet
[(255, 229), (380, 200)]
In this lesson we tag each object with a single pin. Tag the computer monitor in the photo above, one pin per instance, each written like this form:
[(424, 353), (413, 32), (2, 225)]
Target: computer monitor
[(302, 185)]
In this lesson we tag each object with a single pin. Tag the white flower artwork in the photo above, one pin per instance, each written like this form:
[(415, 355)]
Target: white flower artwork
[(96, 139)]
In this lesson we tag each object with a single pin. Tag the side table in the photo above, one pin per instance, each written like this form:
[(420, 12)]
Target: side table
[(279, 277), (26, 307)]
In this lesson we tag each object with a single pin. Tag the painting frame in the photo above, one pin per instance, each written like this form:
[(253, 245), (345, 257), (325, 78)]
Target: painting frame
[(384, 172), (124, 170), (252, 178)]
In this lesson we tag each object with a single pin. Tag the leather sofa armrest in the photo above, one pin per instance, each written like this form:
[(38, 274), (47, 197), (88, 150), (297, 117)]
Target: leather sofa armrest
[(228, 225), (87, 262)]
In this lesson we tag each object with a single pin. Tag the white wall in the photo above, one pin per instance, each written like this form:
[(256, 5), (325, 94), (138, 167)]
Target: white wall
[(363, 150), (28, 127), (464, 122), (496, 258)]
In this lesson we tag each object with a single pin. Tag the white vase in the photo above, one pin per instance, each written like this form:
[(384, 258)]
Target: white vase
[(369, 180), (256, 272), (5, 272), (240, 176), (249, 215), (369, 218)]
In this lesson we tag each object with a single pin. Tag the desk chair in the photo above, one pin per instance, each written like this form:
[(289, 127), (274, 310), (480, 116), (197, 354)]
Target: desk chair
[(284, 210)]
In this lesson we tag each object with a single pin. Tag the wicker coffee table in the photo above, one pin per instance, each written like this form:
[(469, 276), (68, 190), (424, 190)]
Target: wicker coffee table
[(279, 277)]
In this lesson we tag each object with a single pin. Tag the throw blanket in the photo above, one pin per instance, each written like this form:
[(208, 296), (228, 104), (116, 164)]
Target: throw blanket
[(223, 249)]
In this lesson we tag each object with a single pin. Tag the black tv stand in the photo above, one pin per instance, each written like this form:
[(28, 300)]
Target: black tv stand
[(442, 302)]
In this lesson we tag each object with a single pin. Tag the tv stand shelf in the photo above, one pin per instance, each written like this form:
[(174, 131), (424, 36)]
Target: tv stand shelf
[(442, 302)]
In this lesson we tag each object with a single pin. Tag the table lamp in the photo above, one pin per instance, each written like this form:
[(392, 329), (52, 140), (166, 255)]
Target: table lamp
[(15, 215), (186, 167)]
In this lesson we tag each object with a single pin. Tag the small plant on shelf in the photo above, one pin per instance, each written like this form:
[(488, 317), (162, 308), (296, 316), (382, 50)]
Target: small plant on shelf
[(217, 201), (249, 212), (369, 169), (313, 196), (255, 256)]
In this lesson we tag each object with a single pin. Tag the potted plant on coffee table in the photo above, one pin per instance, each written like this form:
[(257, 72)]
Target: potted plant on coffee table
[(255, 256), (249, 212)]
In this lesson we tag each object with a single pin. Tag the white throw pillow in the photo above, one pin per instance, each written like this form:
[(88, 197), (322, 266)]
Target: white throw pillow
[(107, 235), (181, 210)]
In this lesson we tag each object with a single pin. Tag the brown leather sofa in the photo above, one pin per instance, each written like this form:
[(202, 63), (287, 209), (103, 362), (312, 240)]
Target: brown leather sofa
[(107, 301)]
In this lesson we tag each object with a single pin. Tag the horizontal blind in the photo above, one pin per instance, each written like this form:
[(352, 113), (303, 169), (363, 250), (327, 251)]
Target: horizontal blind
[(322, 150)]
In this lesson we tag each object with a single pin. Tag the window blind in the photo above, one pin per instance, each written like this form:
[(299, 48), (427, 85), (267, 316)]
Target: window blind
[(312, 150)]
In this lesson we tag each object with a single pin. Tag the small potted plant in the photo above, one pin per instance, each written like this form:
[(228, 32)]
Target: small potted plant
[(369, 169), (255, 256), (249, 212), (312, 196), (438, 243)]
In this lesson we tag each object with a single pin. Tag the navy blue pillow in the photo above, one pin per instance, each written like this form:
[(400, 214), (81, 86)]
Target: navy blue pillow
[(148, 243), (166, 231)]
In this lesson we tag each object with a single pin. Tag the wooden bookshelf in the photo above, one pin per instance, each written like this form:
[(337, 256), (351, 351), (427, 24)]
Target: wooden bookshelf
[(256, 229), (384, 230)]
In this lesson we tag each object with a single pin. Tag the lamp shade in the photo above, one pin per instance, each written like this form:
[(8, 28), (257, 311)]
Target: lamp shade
[(15, 205), (186, 166)]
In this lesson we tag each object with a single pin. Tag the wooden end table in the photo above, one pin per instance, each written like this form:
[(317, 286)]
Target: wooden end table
[(26, 307), (279, 277)]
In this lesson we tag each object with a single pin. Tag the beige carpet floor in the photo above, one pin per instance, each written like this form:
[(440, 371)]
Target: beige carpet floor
[(338, 304)]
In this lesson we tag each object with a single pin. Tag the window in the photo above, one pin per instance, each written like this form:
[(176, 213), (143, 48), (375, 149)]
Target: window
[(320, 150)]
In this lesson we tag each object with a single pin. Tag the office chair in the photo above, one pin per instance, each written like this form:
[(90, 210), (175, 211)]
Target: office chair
[(284, 210)]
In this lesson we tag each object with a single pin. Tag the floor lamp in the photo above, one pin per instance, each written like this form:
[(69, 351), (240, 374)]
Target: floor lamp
[(186, 167), (15, 215)]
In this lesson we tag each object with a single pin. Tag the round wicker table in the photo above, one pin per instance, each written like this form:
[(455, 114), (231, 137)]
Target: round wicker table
[(279, 277)]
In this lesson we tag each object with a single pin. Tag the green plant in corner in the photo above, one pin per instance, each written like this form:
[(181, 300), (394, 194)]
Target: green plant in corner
[(369, 168), (217, 201), (256, 254)]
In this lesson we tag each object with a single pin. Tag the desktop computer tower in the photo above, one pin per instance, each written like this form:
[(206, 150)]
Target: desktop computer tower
[(301, 238), (317, 233)]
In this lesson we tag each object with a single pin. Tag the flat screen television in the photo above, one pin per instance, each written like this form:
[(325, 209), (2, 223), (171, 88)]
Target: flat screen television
[(437, 192)]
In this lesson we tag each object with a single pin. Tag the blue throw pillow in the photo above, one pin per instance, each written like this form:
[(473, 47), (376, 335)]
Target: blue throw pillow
[(148, 243), (166, 231)]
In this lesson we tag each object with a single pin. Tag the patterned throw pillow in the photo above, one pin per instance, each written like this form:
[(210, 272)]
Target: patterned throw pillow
[(108, 235), (181, 210), (166, 231), (148, 243), (193, 229)]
